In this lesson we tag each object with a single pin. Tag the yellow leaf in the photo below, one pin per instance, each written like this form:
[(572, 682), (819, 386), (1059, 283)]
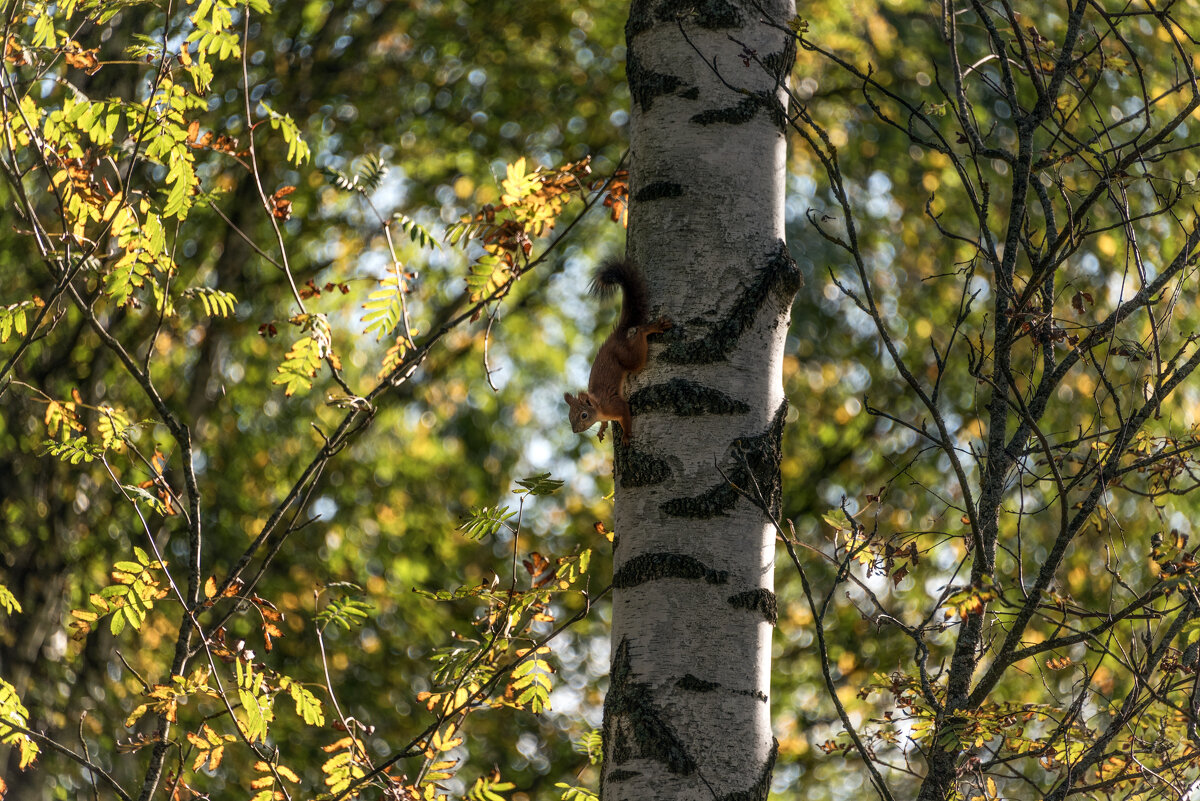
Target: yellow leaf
[(446, 741), (287, 773), (137, 713), (29, 752), (345, 742)]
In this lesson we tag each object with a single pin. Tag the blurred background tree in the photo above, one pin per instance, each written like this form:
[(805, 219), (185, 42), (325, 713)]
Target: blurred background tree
[(445, 95)]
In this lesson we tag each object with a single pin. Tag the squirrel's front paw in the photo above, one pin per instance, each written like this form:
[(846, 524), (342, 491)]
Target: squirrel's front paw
[(664, 323)]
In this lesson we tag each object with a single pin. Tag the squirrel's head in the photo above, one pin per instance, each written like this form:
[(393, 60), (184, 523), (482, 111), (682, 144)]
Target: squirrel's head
[(582, 411)]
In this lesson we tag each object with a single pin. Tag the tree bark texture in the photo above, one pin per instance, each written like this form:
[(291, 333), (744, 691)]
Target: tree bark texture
[(688, 713)]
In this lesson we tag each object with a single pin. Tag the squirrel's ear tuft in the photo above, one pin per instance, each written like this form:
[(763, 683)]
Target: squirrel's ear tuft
[(567, 397)]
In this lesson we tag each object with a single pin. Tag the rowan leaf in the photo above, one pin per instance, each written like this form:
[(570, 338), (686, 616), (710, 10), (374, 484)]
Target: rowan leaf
[(215, 302), (13, 318), (308, 706), (486, 521), (8, 601), (573, 793), (14, 713), (489, 788), (300, 365), (541, 484), (382, 309), (345, 766)]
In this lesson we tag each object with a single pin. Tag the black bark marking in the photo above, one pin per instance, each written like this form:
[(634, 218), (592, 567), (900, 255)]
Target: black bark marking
[(634, 727), (759, 600), (653, 566), (634, 468), (686, 399), (622, 775), (755, 468), (711, 503), (658, 190), (744, 112), (640, 19), (759, 790), (645, 84), (779, 275), (710, 14), (740, 114), (696, 684)]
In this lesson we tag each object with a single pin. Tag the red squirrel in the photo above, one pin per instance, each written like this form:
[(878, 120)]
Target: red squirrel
[(624, 352)]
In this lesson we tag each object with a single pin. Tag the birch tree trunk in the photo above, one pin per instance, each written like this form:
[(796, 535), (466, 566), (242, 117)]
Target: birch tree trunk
[(688, 713)]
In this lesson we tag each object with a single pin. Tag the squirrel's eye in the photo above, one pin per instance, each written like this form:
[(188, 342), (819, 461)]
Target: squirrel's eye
[(583, 415)]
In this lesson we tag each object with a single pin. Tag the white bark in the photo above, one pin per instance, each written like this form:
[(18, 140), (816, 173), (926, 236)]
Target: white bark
[(687, 715)]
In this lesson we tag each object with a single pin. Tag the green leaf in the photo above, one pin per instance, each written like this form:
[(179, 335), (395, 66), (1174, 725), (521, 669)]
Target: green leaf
[(837, 519), (44, 33), (373, 171), (485, 521), (114, 426), (73, 451), (201, 72), (383, 309), (540, 484), (487, 275), (416, 232), (308, 706), (181, 179), (116, 624), (346, 611), (340, 179), (463, 231), (148, 498), (536, 699), (573, 793), (299, 367), (127, 274), (591, 745), (532, 680), (254, 713), (12, 318), (298, 151)]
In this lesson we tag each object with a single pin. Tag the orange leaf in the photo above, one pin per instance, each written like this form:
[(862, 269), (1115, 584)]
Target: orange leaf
[(79, 58), (13, 54)]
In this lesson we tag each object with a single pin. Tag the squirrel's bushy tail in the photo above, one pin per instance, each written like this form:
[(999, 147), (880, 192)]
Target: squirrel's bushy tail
[(635, 308)]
